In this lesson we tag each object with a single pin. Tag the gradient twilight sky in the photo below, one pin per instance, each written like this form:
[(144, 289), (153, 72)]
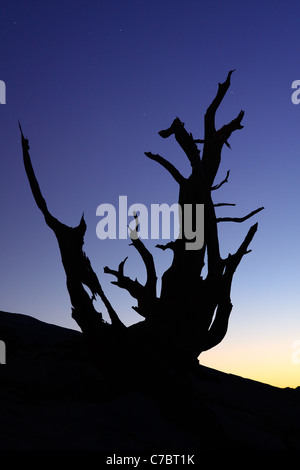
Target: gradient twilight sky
[(92, 83)]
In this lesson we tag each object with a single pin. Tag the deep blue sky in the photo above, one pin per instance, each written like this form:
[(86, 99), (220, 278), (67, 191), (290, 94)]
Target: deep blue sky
[(92, 83)]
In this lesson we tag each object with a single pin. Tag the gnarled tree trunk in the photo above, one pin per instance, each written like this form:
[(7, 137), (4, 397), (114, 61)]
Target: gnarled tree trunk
[(191, 313)]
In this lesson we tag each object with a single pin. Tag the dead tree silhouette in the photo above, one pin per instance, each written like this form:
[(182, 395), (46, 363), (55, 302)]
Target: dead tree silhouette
[(191, 313)]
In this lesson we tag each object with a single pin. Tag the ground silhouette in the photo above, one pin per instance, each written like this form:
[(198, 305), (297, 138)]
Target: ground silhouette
[(52, 397)]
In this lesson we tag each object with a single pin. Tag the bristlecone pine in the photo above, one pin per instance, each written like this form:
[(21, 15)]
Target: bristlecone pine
[(191, 313)]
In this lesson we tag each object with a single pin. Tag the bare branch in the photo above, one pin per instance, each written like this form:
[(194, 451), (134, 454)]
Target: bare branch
[(167, 165), (223, 134), (147, 257), (133, 287), (219, 327), (76, 264), (166, 246), (214, 140), (171, 130), (239, 219), (211, 110), (244, 246), (145, 295), (219, 204), (185, 140), (225, 180), (34, 185), (232, 261)]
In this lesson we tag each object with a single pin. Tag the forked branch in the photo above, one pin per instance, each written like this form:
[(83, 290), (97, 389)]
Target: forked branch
[(76, 264), (213, 139), (218, 329), (144, 294)]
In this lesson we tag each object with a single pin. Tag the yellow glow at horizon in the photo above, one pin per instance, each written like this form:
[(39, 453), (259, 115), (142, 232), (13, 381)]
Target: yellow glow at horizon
[(274, 365)]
